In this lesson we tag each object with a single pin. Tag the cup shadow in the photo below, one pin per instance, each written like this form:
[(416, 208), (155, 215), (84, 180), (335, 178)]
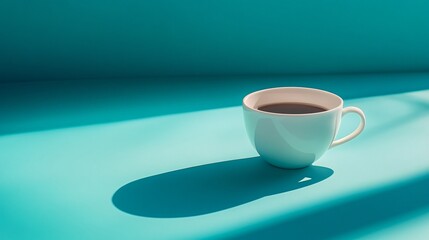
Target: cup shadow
[(210, 188)]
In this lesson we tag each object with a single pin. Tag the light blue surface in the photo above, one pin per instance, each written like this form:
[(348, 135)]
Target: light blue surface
[(59, 184)]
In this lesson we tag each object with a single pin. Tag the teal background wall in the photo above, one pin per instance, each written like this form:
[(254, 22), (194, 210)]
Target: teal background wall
[(52, 40)]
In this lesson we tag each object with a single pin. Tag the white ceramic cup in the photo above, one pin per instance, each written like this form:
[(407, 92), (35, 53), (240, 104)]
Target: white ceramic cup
[(295, 140)]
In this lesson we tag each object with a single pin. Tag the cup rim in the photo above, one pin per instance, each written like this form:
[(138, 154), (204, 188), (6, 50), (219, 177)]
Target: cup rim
[(288, 114)]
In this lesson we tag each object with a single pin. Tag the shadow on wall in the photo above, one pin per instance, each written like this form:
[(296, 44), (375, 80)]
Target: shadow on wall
[(211, 188), (359, 212), (35, 106)]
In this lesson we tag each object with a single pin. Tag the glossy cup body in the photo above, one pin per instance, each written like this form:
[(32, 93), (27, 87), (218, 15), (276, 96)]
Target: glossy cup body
[(292, 140)]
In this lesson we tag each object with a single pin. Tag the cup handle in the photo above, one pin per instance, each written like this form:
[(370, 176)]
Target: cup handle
[(357, 131)]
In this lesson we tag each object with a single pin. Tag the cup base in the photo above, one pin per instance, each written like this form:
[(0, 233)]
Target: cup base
[(283, 165)]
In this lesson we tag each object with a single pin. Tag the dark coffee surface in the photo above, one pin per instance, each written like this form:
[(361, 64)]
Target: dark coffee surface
[(291, 108)]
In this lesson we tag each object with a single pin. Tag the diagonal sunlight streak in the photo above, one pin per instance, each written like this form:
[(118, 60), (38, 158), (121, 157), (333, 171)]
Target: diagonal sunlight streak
[(44, 105), (415, 105), (408, 108), (360, 212)]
